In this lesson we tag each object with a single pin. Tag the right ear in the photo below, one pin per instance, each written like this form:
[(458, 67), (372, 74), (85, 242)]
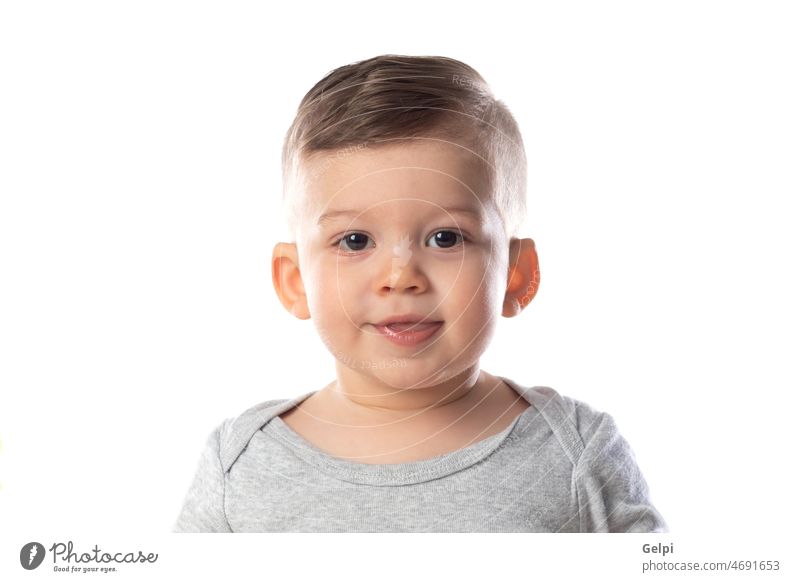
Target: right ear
[(287, 280)]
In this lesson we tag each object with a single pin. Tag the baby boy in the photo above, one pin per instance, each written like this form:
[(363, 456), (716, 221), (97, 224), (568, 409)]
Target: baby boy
[(404, 191)]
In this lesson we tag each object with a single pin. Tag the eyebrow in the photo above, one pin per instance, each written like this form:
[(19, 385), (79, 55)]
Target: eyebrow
[(333, 214)]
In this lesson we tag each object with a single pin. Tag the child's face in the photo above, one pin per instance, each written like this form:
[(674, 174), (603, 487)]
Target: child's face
[(396, 230)]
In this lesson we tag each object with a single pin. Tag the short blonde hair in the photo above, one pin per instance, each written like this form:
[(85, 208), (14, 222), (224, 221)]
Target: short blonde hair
[(389, 97)]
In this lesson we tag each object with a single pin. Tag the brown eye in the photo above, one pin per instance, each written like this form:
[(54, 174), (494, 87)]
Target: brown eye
[(446, 239), (354, 241)]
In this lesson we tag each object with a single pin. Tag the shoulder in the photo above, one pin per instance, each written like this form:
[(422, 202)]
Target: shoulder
[(233, 434), (574, 423), (604, 459)]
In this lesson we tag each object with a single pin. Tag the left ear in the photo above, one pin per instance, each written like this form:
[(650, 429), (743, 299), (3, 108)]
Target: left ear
[(523, 276)]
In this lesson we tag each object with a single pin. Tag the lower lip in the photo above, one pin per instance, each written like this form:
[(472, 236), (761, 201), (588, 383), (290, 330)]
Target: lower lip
[(412, 337)]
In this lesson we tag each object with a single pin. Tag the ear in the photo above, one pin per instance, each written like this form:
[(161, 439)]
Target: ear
[(523, 276), (287, 280)]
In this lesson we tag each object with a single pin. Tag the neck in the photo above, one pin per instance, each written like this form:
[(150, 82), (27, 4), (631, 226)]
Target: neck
[(364, 395)]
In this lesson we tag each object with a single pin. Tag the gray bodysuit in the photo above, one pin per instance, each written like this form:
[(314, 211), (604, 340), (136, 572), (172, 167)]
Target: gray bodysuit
[(561, 466)]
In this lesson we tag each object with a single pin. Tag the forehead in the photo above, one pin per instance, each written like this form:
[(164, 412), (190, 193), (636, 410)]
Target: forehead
[(411, 176)]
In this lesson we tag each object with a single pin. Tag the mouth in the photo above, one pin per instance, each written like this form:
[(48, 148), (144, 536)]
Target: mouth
[(406, 318), (408, 333)]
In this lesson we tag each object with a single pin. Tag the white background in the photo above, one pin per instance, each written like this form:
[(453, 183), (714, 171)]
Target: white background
[(140, 194)]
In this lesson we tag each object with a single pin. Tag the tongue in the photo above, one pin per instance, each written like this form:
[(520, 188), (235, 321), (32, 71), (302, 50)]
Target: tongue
[(402, 327)]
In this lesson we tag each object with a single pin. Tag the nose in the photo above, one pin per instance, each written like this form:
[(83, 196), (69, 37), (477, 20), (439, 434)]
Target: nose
[(401, 271)]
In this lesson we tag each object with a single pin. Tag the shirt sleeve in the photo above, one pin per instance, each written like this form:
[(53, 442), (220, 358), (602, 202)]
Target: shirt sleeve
[(613, 495), (204, 504)]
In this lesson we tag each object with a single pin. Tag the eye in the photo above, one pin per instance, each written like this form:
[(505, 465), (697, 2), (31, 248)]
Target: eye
[(353, 241), (446, 239)]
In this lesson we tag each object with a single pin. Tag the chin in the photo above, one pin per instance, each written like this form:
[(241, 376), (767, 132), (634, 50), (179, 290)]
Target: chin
[(410, 374)]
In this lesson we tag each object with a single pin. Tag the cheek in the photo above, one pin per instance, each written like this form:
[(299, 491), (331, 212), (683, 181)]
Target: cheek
[(476, 287), (337, 321), (316, 289), (331, 292)]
